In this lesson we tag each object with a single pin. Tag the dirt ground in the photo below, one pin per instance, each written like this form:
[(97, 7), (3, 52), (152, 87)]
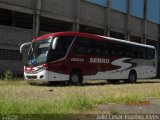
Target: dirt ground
[(150, 106), (147, 110)]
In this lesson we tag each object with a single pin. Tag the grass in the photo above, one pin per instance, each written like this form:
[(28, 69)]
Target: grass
[(20, 97), (113, 112)]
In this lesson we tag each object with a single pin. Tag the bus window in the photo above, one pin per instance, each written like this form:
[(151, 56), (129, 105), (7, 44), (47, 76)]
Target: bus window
[(134, 52), (141, 53), (150, 53), (128, 51), (84, 46), (62, 47), (101, 48), (117, 50)]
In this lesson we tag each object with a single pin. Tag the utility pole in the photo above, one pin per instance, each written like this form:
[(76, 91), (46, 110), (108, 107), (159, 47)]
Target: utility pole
[(36, 18), (145, 22), (107, 18), (75, 26), (128, 17)]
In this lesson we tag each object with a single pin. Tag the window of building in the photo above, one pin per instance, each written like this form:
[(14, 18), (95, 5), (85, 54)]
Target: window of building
[(99, 2), (5, 17), (153, 8), (120, 5), (10, 54), (137, 8)]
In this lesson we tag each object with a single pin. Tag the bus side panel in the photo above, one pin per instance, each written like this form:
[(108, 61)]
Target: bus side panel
[(55, 71), (145, 68)]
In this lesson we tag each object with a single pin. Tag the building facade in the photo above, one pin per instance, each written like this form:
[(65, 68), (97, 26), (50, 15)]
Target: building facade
[(22, 20)]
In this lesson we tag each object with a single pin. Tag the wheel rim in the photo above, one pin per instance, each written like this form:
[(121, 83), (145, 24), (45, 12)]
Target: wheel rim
[(75, 78)]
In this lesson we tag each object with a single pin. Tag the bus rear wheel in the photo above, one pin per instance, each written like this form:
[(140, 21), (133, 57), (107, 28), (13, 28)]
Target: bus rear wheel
[(132, 78), (75, 78)]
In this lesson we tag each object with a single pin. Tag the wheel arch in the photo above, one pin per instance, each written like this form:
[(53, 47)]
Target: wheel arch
[(133, 71), (76, 70)]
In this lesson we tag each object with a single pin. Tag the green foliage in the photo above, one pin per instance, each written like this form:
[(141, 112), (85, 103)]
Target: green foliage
[(20, 97), (64, 106), (8, 75), (31, 110), (78, 102)]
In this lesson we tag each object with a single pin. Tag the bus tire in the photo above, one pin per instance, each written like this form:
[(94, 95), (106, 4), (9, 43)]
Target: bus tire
[(75, 78), (132, 78)]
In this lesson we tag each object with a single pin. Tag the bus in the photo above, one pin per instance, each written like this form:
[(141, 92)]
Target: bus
[(75, 56)]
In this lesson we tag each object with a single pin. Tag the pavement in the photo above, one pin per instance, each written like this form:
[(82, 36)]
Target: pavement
[(150, 106)]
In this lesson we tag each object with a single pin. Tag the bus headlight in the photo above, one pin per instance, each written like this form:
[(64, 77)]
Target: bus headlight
[(35, 70), (40, 69)]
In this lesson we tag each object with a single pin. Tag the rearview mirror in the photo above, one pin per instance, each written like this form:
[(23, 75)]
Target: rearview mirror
[(54, 44), (21, 47)]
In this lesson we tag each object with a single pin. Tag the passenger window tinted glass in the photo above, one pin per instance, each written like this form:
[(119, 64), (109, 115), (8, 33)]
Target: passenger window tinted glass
[(129, 51), (150, 53), (84, 46), (141, 52), (117, 50), (102, 48), (62, 47), (133, 51)]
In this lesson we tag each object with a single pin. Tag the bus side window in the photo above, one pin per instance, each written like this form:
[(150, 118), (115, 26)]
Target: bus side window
[(106, 49), (135, 52), (144, 53), (121, 50), (84, 46), (150, 53), (117, 50), (141, 53), (128, 51), (100, 48), (79, 48), (62, 47)]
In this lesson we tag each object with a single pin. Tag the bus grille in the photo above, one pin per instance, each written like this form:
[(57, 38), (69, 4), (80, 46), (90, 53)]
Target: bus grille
[(31, 77)]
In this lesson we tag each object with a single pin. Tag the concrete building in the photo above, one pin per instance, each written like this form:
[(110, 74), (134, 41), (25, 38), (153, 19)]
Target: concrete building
[(22, 20)]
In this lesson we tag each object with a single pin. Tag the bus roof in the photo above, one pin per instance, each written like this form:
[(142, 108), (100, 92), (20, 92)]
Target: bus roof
[(129, 42), (90, 36)]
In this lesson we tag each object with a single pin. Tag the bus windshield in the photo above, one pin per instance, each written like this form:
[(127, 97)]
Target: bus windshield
[(38, 52)]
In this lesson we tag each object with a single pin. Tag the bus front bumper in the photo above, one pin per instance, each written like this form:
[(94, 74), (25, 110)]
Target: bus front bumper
[(38, 76)]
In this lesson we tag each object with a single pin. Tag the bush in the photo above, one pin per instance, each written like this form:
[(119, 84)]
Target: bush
[(8, 75)]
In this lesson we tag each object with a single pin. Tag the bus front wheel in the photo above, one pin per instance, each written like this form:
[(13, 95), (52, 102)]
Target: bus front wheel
[(75, 78), (132, 78)]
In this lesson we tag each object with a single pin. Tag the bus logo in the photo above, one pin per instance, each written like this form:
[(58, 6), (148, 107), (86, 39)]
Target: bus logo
[(99, 60)]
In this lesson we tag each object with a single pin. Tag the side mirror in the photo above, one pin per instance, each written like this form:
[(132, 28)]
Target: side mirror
[(21, 47), (54, 44)]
